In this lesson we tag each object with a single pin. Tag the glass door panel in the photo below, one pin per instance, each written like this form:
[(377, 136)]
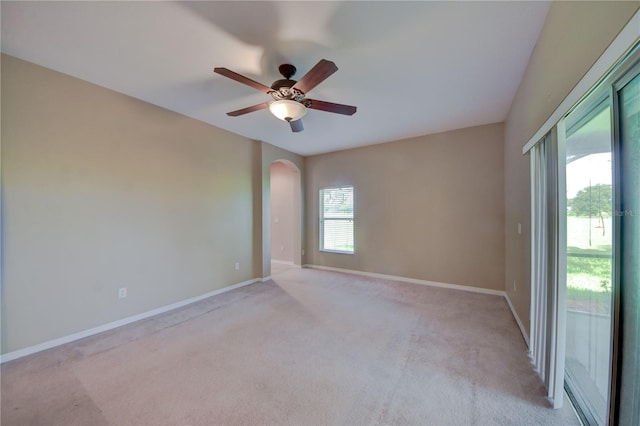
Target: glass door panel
[(629, 217), (589, 259)]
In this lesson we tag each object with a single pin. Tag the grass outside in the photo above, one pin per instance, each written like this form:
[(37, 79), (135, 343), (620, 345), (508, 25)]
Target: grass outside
[(589, 265)]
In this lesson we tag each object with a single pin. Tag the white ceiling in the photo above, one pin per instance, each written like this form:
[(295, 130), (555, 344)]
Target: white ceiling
[(411, 68)]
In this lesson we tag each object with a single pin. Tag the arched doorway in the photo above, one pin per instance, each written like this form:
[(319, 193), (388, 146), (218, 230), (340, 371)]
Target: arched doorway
[(285, 213)]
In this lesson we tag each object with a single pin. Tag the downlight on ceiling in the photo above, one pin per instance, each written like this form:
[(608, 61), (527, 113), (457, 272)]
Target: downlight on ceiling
[(287, 110)]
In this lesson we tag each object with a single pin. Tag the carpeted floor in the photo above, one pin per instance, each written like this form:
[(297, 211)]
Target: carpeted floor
[(308, 348)]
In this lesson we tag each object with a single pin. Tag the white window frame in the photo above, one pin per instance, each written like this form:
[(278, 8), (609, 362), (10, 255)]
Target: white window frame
[(322, 219)]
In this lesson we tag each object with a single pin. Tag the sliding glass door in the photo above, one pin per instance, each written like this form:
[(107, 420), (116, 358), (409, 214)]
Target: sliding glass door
[(589, 267), (601, 141), (627, 213), (585, 251)]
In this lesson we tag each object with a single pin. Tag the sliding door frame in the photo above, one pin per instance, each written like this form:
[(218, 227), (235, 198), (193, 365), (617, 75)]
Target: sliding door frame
[(629, 71)]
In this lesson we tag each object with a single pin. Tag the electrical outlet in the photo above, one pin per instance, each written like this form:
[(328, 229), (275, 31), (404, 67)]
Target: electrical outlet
[(237, 266), (122, 293), (281, 248), (514, 285), (519, 229), (303, 252)]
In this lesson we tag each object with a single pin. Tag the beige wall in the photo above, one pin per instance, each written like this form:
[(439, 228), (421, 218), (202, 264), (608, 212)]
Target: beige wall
[(428, 208), (573, 37), (285, 182), (102, 191)]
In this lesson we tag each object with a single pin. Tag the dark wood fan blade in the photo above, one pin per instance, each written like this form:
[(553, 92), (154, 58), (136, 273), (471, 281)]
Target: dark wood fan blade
[(296, 126), (330, 107), (248, 109), (242, 79), (316, 75)]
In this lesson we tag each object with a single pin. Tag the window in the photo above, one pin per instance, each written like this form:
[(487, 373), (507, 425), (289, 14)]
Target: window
[(336, 219)]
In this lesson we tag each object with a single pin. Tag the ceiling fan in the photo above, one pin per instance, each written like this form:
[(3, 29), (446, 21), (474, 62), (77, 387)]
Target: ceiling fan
[(289, 96)]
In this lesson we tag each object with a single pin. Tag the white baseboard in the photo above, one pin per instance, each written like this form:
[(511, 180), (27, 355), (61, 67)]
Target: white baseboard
[(411, 280), (10, 356), (525, 335), (265, 279)]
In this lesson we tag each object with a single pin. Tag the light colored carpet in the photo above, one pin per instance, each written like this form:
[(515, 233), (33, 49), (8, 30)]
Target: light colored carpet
[(308, 348)]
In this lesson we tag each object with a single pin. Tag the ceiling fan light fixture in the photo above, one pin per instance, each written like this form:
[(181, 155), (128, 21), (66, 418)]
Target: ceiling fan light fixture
[(287, 110)]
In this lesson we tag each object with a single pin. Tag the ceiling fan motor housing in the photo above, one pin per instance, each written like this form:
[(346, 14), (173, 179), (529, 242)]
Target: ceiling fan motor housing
[(284, 83), (283, 90), (283, 87)]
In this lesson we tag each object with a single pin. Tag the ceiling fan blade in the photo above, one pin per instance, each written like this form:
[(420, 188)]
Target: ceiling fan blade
[(248, 109), (242, 79), (316, 75), (296, 126), (330, 107)]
